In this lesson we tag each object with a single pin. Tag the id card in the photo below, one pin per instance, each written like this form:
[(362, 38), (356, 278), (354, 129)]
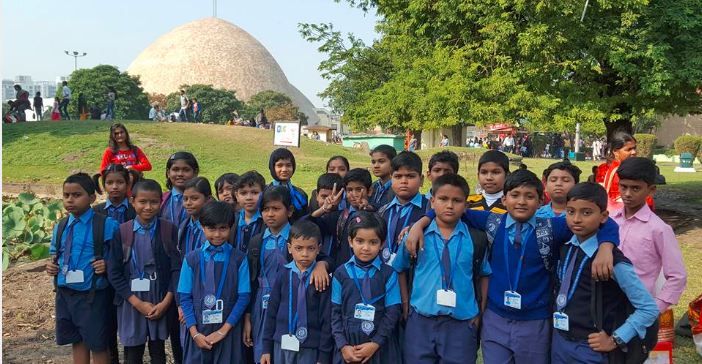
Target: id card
[(264, 301), (560, 321), (446, 298), (290, 343), (74, 276), (513, 299), (391, 258), (141, 285), (211, 317), (364, 312)]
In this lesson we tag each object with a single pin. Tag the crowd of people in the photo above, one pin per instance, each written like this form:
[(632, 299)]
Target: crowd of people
[(245, 271)]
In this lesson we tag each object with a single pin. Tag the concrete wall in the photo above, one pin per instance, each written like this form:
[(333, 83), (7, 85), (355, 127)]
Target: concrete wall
[(675, 126)]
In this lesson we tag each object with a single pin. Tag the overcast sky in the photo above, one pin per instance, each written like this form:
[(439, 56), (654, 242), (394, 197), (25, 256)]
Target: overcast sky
[(36, 32)]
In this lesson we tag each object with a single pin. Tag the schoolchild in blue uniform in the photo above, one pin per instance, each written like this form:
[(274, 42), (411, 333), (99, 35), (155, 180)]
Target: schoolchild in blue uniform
[(214, 290), (366, 298), (558, 179), (78, 252), (516, 324), (248, 221), (334, 223), (443, 323), (337, 164), (297, 323), (180, 168), (116, 182), (196, 194), (441, 163), (381, 192), (225, 189), (267, 256), (328, 186), (144, 268), (577, 338), (282, 167)]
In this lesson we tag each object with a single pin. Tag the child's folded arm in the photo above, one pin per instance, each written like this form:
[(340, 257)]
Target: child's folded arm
[(645, 309)]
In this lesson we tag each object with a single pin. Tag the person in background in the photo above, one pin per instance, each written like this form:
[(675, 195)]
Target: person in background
[(197, 109), (63, 107), (184, 103), (55, 114), (21, 102), (444, 141), (82, 107), (111, 96), (122, 151), (38, 105)]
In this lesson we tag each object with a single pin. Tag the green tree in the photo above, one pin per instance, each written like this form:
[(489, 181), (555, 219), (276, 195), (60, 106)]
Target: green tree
[(93, 83), (276, 105), (443, 63), (218, 105)]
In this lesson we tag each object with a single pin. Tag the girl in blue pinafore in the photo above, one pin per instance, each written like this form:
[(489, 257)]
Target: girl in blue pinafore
[(366, 298), (267, 255), (180, 168), (214, 291)]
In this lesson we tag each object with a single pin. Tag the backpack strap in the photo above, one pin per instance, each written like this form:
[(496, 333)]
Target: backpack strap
[(544, 239), (166, 195), (98, 247), (57, 244), (493, 223), (126, 232)]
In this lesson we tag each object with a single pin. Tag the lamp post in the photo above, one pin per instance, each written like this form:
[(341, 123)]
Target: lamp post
[(75, 55)]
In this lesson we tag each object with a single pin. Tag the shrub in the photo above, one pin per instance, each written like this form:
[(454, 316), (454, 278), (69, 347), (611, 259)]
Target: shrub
[(688, 143), (645, 144)]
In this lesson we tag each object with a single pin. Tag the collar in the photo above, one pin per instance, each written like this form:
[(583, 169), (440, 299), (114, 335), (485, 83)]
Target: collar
[(175, 192), (416, 201), (589, 246), (493, 196), (428, 194), (242, 217), (124, 203), (296, 270), (84, 218), (459, 229), (644, 213), (138, 226), (192, 224), (284, 232), (376, 263), (510, 221), (225, 247)]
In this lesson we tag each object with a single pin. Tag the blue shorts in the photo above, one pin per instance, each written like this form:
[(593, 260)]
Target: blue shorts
[(78, 320)]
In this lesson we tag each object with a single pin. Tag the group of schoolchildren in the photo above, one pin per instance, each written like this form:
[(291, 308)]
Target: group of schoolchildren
[(364, 271)]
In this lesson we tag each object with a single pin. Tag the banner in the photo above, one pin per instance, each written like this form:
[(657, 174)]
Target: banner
[(287, 134)]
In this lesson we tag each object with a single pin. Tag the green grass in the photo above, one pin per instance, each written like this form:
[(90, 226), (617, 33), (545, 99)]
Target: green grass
[(46, 152)]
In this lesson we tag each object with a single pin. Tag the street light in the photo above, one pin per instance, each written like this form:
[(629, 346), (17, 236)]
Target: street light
[(75, 55)]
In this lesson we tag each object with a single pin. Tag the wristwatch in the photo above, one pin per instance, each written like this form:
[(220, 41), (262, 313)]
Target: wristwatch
[(619, 342)]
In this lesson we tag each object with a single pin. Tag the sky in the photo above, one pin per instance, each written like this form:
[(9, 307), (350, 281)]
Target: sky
[(35, 33)]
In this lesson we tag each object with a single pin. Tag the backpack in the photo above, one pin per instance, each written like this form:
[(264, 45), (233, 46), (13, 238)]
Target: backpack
[(637, 349), (126, 230), (98, 245)]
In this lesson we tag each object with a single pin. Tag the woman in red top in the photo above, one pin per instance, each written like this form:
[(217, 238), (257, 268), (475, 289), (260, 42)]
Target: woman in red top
[(122, 151), (621, 146)]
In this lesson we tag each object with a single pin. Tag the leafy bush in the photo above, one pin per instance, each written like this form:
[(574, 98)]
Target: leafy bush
[(26, 227), (688, 143), (645, 144)]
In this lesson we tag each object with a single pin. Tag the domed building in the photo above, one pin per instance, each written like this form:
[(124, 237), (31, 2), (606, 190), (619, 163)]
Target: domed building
[(215, 52)]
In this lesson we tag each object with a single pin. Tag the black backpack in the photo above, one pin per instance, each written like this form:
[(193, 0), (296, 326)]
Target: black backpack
[(637, 350), (98, 245)]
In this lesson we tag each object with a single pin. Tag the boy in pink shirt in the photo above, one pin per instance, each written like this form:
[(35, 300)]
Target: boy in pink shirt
[(646, 240)]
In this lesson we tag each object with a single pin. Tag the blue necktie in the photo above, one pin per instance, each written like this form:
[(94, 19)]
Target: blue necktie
[(392, 226), (565, 284), (518, 235), (446, 262), (302, 306), (210, 270), (68, 246)]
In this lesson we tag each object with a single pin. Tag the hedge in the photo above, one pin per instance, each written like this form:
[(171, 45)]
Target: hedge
[(645, 144), (688, 143)]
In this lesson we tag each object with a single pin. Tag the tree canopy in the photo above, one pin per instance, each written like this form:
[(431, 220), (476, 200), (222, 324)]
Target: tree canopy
[(217, 105), (276, 105), (442, 63), (93, 83)]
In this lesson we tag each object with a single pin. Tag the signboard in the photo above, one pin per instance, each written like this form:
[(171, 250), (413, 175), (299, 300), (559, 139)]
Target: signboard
[(287, 134)]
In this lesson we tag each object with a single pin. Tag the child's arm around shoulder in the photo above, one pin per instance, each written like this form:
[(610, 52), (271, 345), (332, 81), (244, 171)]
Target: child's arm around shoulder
[(645, 309), (415, 238), (607, 237)]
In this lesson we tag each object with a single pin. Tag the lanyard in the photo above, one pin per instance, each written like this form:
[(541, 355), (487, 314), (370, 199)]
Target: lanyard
[(378, 194), (448, 285), (525, 240), (292, 320), (223, 275), (242, 227), (394, 246), (134, 260), (196, 237), (370, 301), (176, 219), (67, 254), (562, 275)]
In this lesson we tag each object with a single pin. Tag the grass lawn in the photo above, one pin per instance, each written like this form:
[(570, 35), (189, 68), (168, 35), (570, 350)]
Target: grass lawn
[(46, 152)]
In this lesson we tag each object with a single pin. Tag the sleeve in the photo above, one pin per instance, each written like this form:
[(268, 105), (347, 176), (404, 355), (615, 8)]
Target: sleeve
[(401, 262), (673, 268), (485, 268), (185, 296), (243, 293), (269, 320), (392, 291), (337, 319), (608, 233), (143, 164), (175, 260), (111, 233), (116, 273), (390, 320), (52, 245), (645, 309), (106, 159), (326, 341)]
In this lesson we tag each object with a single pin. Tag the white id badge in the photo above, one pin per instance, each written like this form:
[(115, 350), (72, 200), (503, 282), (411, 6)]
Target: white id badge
[(264, 301), (211, 317), (446, 298), (290, 343), (74, 276), (364, 312), (391, 259), (560, 321), (141, 285), (513, 299)]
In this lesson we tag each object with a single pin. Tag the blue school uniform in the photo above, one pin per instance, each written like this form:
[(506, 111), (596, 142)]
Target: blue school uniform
[(573, 303), (546, 212), (382, 193), (273, 258), (172, 207), (298, 197), (297, 308), (78, 316), (334, 228), (223, 274), (373, 283), (444, 264), (244, 231), (117, 211), (397, 217), (190, 236)]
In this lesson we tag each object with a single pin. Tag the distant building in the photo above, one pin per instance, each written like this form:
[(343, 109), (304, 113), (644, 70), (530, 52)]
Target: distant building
[(47, 88), (329, 119)]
